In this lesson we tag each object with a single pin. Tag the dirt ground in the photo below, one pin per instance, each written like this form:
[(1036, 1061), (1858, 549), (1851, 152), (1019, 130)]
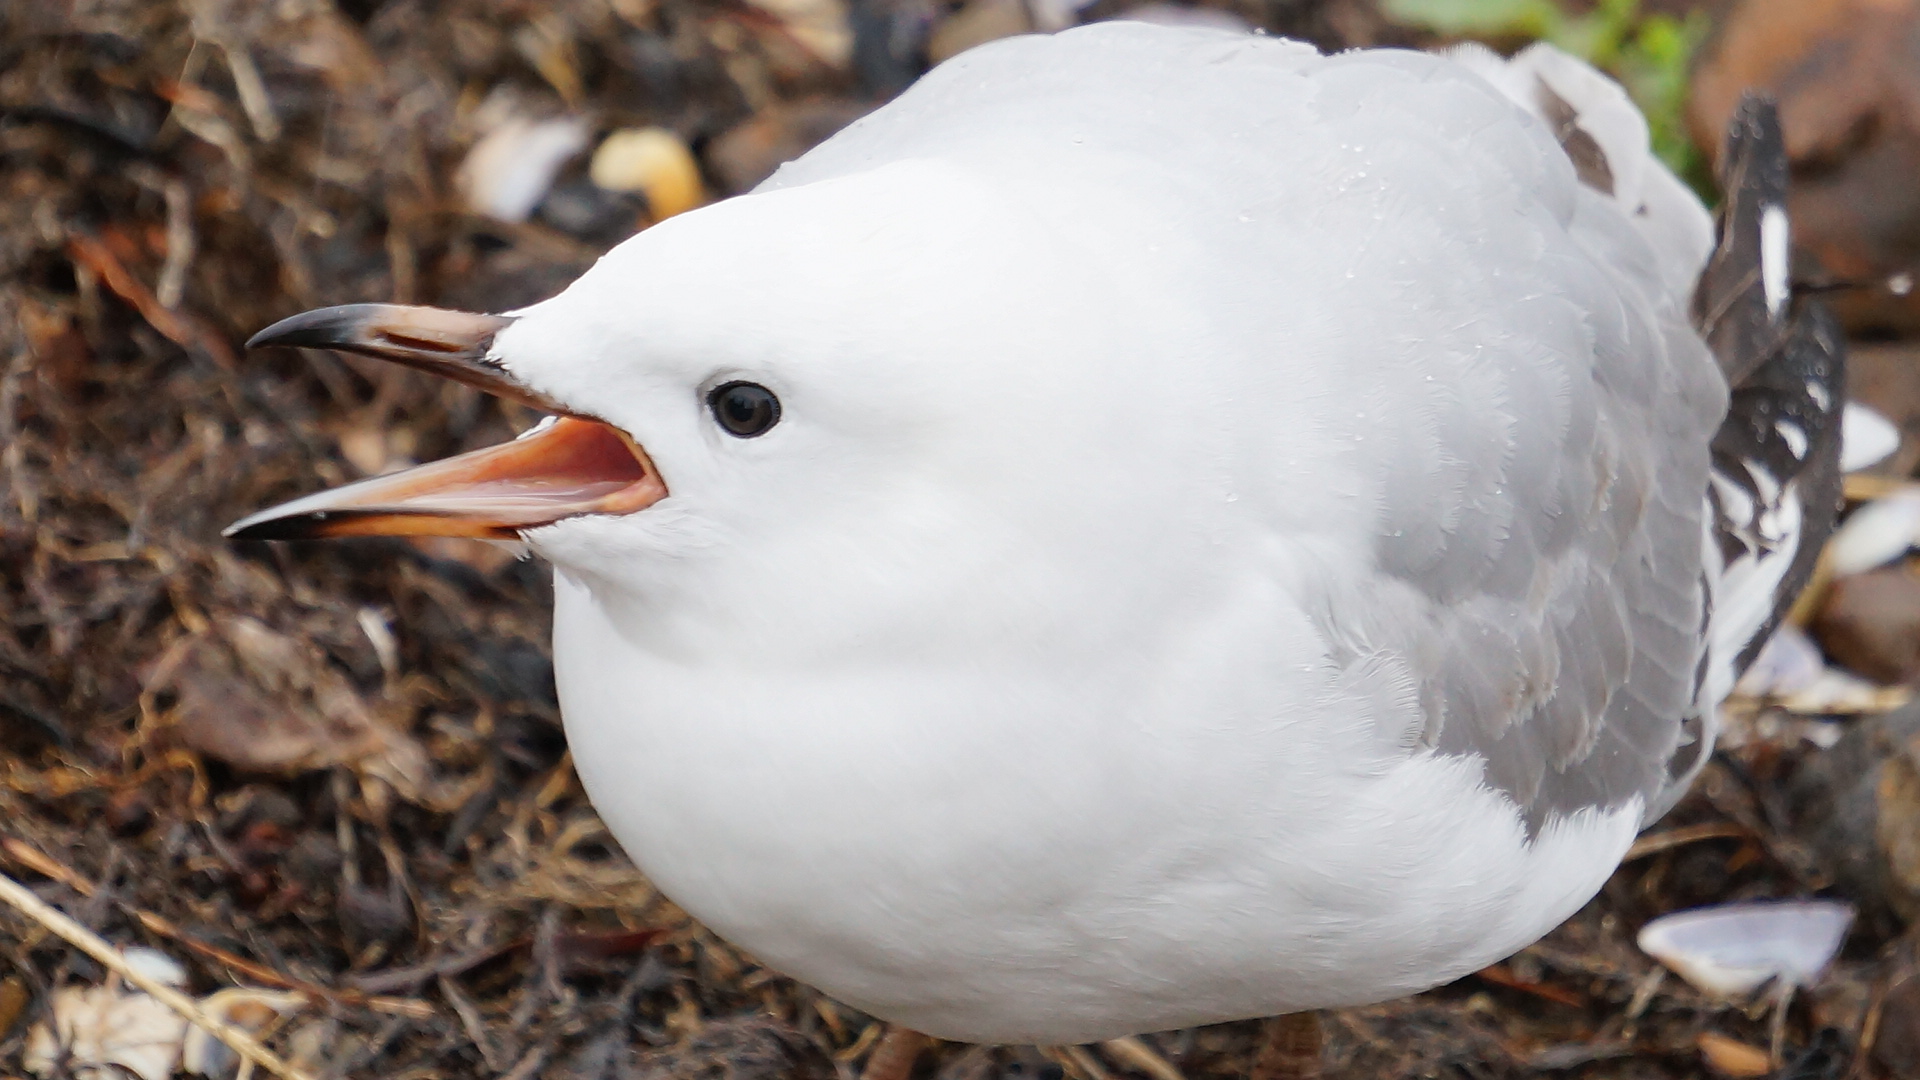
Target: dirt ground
[(337, 769)]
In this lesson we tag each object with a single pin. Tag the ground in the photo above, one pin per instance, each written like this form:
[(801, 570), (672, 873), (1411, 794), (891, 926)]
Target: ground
[(338, 769)]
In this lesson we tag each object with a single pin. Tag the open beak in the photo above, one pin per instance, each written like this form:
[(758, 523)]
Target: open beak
[(569, 466)]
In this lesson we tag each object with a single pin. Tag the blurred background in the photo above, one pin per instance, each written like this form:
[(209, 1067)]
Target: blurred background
[(323, 789)]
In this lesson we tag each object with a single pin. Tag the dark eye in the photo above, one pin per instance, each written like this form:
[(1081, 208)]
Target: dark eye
[(744, 409)]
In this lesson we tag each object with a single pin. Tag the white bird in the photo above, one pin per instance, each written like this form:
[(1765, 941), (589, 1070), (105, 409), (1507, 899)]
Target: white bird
[(1154, 526)]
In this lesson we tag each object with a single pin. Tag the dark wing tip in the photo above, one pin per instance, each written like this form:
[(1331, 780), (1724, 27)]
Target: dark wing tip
[(1732, 307), (1785, 362)]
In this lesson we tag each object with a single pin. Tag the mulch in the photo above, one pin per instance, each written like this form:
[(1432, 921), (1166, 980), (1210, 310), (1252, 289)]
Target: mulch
[(338, 768)]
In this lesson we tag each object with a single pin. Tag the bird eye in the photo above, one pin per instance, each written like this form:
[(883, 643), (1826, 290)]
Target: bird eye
[(744, 409)]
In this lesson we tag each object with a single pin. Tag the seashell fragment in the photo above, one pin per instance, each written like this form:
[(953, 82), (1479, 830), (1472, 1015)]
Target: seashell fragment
[(509, 170), (1787, 664), (1876, 534), (1866, 438), (1731, 950)]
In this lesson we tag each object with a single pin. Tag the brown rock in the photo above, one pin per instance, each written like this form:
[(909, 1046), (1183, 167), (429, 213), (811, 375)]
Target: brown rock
[(1871, 623), (1847, 76), (1885, 377), (1859, 805), (1897, 1049)]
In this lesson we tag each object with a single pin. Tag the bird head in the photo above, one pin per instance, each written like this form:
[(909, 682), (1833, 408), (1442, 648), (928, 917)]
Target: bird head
[(840, 376)]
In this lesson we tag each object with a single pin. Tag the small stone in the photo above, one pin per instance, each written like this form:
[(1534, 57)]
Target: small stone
[(1897, 1048), (1859, 805), (104, 1031), (1870, 623)]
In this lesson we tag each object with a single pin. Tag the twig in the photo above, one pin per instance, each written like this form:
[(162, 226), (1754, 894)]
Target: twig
[(241, 1043), (1501, 975), (1133, 1052), (1076, 1061), (252, 89), (413, 975), (41, 863), (469, 1015), (529, 1066), (181, 244), (1655, 843), (178, 327)]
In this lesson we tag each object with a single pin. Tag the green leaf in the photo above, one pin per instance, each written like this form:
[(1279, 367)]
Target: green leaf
[(1479, 18)]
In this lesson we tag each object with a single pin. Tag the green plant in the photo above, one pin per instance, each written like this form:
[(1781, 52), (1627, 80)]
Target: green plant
[(1648, 53)]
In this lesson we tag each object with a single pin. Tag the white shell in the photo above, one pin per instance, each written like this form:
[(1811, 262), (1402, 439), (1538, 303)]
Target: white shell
[(509, 170), (1875, 534), (1788, 663), (1731, 950), (1866, 438), (155, 965)]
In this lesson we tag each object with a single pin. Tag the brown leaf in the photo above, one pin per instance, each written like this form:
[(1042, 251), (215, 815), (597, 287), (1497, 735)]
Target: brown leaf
[(265, 702)]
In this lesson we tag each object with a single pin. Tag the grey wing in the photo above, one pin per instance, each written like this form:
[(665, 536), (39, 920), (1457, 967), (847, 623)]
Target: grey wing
[(1566, 650), (1598, 682), (1571, 669)]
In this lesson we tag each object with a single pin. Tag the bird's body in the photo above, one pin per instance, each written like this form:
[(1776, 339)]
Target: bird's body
[(1234, 541)]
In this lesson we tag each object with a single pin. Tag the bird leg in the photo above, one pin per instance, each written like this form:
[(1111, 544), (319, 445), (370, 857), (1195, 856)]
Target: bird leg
[(1290, 1048), (893, 1057)]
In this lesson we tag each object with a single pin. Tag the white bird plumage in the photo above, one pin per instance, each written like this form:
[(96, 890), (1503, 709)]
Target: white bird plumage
[(1037, 679), (1233, 543)]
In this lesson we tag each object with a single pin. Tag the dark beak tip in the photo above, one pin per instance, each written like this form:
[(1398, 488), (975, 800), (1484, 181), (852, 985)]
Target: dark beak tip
[(322, 328), (274, 524), (265, 337), (276, 529)]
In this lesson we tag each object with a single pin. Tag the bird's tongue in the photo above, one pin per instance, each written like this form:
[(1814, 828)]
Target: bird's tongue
[(565, 468)]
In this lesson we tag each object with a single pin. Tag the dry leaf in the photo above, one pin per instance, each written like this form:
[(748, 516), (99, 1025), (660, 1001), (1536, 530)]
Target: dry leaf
[(264, 702), (101, 1029)]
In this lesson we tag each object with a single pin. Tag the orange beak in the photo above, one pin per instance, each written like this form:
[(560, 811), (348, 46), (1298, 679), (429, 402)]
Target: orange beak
[(571, 466)]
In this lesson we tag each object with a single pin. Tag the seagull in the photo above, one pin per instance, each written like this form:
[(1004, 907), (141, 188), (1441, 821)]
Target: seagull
[(1154, 526)]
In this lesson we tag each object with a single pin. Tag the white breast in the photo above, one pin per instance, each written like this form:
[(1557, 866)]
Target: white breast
[(996, 874)]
